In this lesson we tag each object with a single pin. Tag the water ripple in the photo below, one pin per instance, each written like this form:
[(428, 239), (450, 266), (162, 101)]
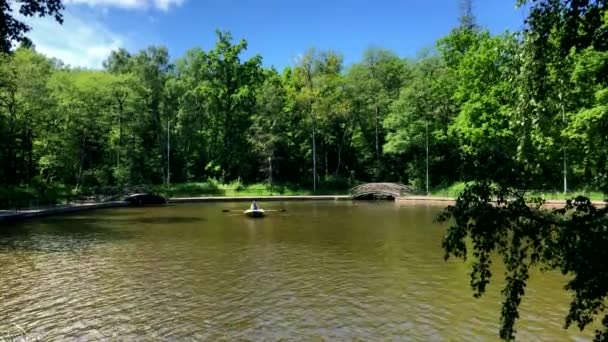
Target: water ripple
[(320, 271)]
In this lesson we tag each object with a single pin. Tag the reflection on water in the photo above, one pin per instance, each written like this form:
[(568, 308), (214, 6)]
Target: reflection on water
[(320, 270)]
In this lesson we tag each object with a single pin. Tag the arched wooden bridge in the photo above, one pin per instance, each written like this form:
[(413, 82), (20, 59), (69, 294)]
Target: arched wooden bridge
[(380, 191)]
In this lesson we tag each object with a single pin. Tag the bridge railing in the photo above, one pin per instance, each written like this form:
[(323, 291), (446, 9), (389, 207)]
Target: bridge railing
[(381, 189)]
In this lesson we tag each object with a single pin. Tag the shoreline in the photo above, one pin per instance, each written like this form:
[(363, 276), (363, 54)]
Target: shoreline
[(22, 215), (450, 200), (13, 215), (425, 199), (259, 198)]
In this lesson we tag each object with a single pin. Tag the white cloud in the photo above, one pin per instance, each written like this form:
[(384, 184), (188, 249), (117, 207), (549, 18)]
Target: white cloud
[(298, 58), (166, 4), (162, 5), (77, 42)]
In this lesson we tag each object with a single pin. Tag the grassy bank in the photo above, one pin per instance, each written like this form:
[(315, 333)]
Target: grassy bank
[(15, 198), (48, 196), (33, 197), (212, 188), (455, 189)]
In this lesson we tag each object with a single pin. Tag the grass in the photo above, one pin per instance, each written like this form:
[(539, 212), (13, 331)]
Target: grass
[(32, 197), (593, 195), (235, 189), (455, 189), (17, 197), (451, 191)]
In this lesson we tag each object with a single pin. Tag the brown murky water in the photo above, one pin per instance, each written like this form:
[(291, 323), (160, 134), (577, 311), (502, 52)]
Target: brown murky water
[(319, 271)]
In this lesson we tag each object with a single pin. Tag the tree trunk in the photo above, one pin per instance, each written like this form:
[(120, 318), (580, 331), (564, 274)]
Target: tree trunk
[(427, 157), (10, 158), (339, 161), (377, 139), (340, 146), (314, 159), (79, 176), (326, 166), (168, 151), (30, 158), (270, 170), (120, 110)]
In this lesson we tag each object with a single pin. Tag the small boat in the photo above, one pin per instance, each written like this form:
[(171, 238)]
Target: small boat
[(255, 212)]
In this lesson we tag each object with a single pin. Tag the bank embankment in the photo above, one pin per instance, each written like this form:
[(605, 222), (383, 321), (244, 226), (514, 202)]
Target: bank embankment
[(13, 215), (259, 198), (444, 201), (19, 215)]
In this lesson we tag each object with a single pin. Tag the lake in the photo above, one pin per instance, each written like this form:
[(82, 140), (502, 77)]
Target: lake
[(321, 270)]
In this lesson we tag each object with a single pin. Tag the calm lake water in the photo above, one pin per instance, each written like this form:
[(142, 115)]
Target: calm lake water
[(319, 271)]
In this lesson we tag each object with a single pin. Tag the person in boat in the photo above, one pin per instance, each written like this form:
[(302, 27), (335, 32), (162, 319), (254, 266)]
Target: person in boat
[(254, 206)]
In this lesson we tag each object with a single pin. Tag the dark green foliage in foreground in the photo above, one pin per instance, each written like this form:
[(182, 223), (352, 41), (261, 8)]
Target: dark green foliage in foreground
[(500, 220), (12, 29)]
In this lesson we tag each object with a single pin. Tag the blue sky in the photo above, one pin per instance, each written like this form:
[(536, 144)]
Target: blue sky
[(279, 30)]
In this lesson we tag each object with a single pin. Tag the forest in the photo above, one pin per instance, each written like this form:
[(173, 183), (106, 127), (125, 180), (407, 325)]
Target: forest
[(538, 96)]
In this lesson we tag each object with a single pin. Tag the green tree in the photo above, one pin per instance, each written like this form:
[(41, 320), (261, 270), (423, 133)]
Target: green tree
[(151, 69), (228, 90), (24, 99), (126, 106), (305, 72), (81, 130), (374, 84), (324, 103), (587, 127), (269, 126), (487, 97), (192, 120), (419, 121)]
